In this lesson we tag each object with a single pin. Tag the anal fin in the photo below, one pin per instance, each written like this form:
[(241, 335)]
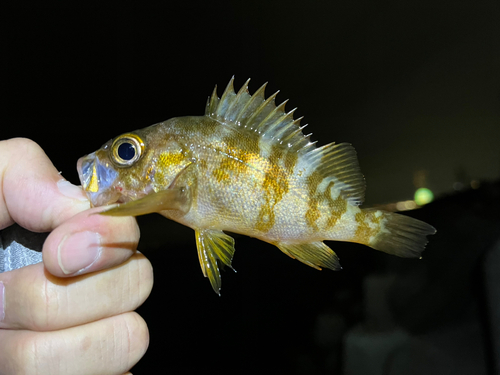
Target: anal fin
[(314, 254), (214, 248)]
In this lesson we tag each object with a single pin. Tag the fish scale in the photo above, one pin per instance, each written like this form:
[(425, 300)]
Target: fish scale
[(246, 167)]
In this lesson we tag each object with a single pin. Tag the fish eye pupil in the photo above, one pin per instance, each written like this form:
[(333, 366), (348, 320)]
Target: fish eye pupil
[(126, 151)]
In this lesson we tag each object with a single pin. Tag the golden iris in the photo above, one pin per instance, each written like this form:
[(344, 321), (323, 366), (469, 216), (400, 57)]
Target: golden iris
[(127, 149)]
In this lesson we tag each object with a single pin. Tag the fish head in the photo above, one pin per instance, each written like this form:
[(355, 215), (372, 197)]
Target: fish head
[(131, 166)]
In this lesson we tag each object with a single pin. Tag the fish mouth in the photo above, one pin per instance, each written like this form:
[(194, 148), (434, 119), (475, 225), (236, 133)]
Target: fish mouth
[(97, 179), (87, 173)]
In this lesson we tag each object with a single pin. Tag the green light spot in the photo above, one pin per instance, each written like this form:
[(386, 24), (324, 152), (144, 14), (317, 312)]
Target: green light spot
[(423, 196)]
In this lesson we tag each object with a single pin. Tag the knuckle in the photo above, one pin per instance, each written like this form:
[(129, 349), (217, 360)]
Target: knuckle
[(143, 275), (23, 146), (20, 141), (23, 353), (137, 336), (43, 304)]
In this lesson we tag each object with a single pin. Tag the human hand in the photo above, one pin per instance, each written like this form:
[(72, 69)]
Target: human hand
[(73, 314)]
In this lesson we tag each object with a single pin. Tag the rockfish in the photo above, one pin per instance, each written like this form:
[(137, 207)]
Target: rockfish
[(246, 167)]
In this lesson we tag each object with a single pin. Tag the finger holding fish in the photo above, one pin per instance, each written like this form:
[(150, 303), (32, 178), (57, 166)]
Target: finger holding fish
[(36, 300), (88, 242)]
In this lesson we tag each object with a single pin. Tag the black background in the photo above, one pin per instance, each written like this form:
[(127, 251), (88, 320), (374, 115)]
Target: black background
[(411, 86)]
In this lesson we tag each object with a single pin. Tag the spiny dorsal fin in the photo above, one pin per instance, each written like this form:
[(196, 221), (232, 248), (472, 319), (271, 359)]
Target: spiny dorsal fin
[(337, 163), (258, 114)]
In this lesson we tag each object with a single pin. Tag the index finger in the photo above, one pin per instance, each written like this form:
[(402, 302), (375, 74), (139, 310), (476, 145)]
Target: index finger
[(32, 192)]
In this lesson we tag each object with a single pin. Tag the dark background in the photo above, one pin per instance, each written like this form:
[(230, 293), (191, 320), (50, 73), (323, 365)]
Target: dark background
[(413, 86)]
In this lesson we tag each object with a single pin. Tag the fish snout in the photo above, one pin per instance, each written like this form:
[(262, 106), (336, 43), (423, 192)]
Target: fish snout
[(87, 173), (96, 179)]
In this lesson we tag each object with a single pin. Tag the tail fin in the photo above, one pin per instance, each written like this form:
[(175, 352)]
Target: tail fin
[(402, 236)]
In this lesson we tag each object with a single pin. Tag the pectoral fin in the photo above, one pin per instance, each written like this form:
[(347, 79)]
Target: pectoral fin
[(315, 254), (214, 246), (169, 199)]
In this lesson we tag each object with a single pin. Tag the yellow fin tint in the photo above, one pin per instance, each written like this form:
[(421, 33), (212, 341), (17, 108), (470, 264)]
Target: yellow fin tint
[(314, 254), (214, 247), (169, 199)]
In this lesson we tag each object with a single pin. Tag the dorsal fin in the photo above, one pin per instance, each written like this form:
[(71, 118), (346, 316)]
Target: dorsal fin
[(337, 163), (258, 114)]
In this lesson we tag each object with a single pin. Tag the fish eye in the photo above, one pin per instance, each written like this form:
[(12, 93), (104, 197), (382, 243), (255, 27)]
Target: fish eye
[(127, 149)]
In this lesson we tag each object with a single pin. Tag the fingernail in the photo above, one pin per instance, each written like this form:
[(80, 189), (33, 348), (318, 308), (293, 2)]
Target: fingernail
[(78, 251), (2, 301), (71, 191)]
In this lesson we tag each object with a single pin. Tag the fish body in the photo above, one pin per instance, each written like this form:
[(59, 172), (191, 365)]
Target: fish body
[(246, 167)]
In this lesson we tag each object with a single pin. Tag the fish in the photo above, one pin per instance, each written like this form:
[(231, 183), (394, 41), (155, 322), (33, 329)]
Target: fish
[(246, 167)]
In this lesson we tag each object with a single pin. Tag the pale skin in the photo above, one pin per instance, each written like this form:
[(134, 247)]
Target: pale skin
[(73, 313)]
